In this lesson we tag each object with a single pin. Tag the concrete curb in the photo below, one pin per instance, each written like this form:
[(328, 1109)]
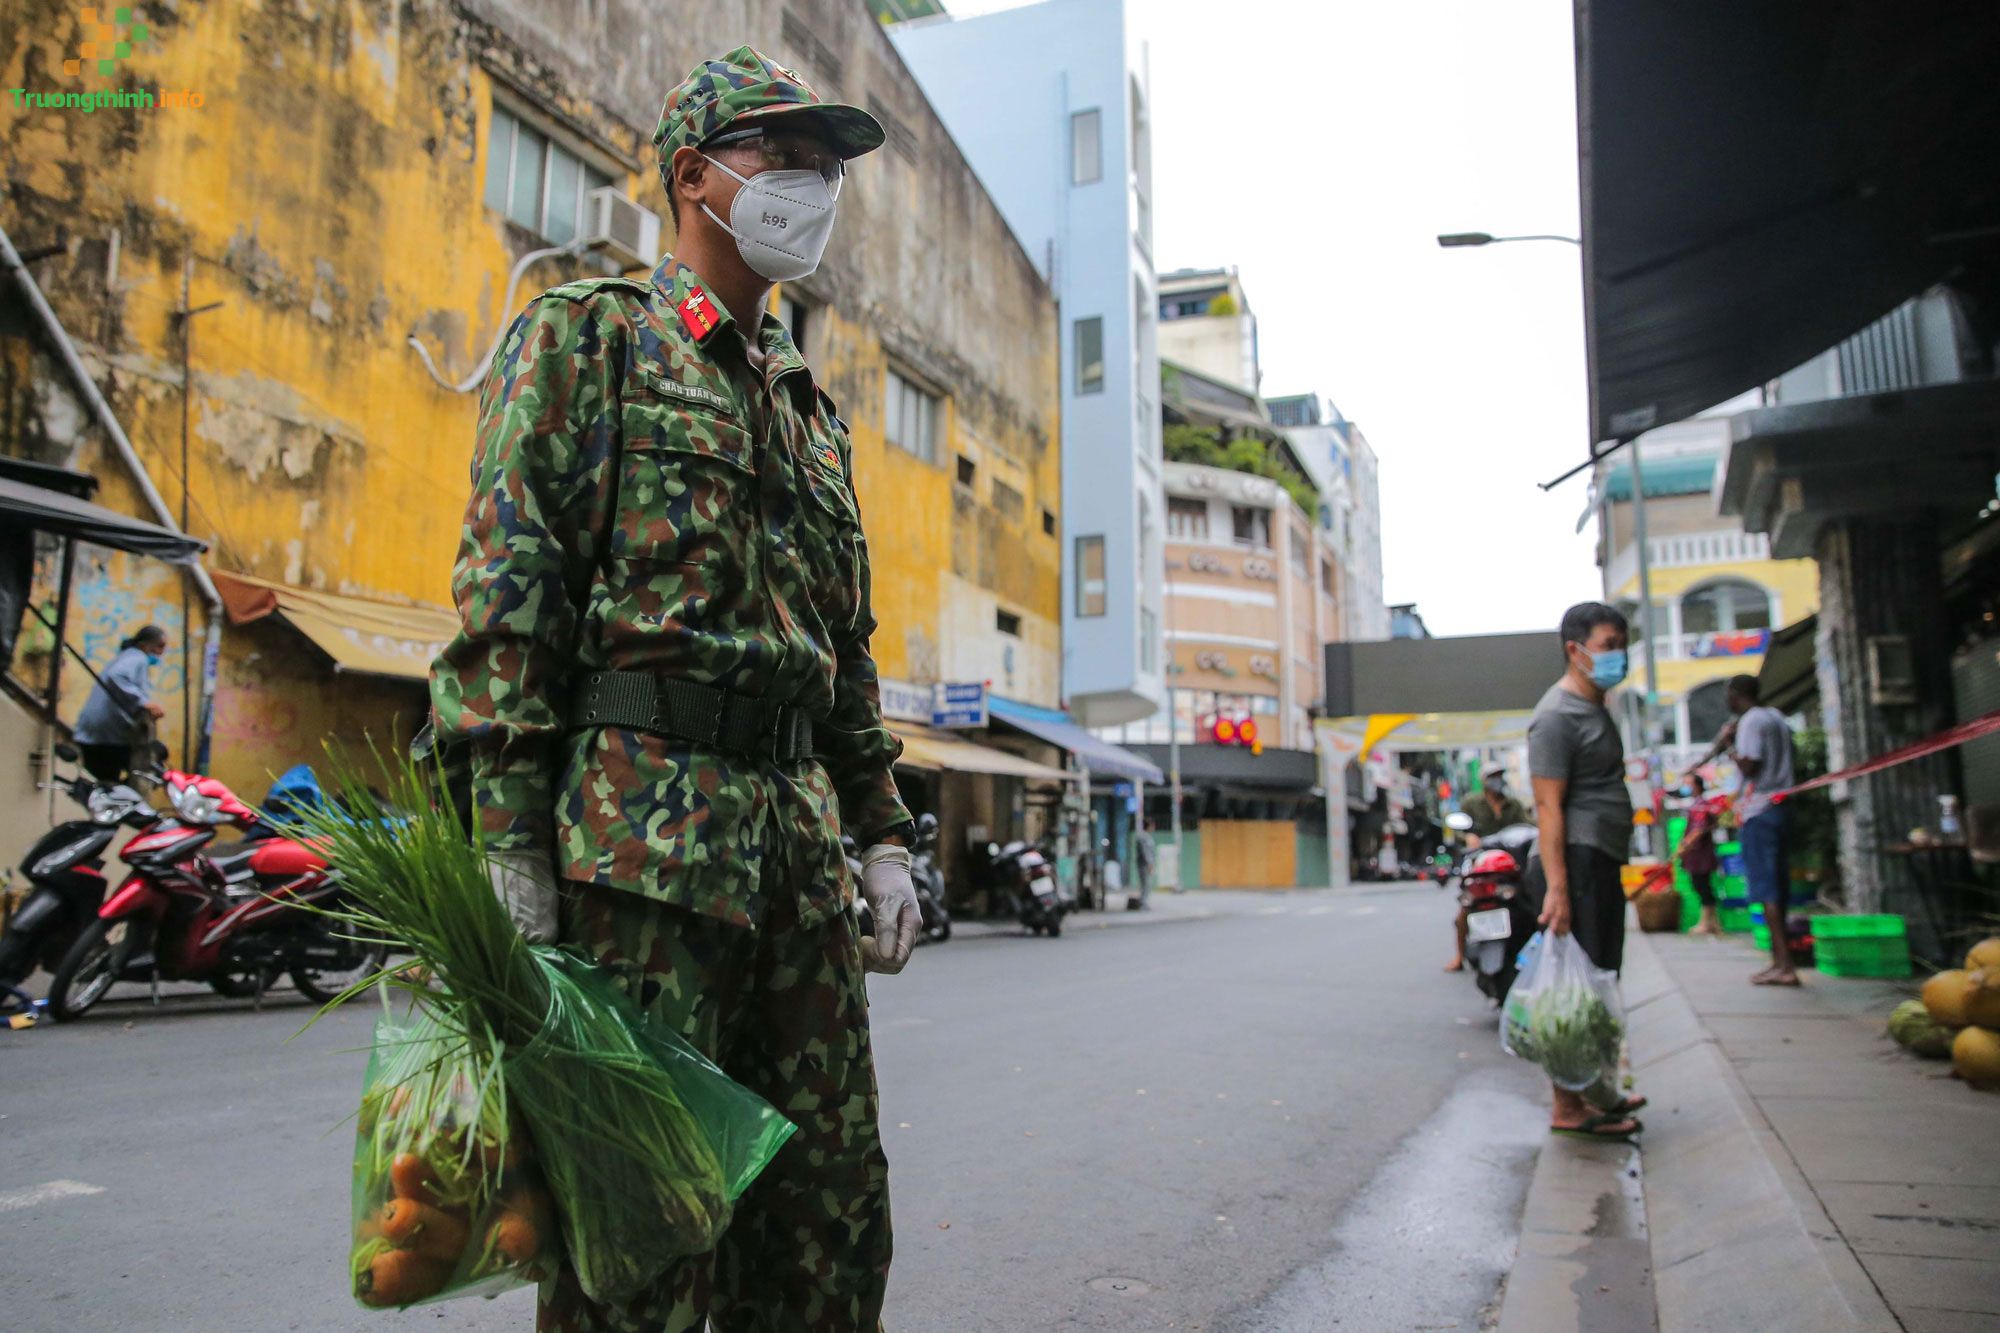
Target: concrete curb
[(1584, 1263), (1738, 1239)]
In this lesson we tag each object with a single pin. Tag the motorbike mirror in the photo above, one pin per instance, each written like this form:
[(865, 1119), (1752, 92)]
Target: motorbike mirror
[(1459, 820), (67, 752)]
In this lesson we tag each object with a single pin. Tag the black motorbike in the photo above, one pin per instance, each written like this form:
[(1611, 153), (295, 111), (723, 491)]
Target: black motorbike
[(65, 871), (925, 877), (929, 880), (1500, 918), (1024, 874)]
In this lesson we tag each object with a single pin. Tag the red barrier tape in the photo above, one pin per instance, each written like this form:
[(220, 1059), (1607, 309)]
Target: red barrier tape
[(1929, 745)]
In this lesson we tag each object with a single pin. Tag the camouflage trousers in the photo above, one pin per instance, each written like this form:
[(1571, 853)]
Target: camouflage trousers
[(784, 1011)]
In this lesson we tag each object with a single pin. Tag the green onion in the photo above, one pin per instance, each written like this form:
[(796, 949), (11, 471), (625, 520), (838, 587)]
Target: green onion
[(644, 1142)]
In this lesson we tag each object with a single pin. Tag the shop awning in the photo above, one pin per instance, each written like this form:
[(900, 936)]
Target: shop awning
[(1055, 727), (1789, 675), (1795, 466), (367, 637), (1759, 181), (38, 508), (928, 749)]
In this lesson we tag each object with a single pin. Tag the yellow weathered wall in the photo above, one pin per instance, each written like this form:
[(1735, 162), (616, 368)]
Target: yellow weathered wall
[(1794, 588), (330, 194)]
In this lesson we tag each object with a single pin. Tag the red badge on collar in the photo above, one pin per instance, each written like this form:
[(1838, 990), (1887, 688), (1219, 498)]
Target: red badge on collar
[(698, 313)]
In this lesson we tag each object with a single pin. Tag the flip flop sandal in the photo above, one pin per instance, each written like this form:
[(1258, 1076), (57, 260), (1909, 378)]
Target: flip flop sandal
[(1762, 980), (1593, 1129), (1627, 1106)]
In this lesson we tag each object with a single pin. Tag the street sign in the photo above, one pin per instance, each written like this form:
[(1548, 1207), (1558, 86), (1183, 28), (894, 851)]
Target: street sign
[(959, 704)]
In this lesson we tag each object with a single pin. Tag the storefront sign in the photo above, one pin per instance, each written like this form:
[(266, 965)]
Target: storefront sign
[(1731, 643), (959, 704), (904, 702)]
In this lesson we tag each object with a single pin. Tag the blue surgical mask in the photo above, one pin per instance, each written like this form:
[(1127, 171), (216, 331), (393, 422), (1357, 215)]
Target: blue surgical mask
[(152, 659), (1607, 668)]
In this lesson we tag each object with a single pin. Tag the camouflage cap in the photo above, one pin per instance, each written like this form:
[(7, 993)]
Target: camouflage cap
[(747, 87)]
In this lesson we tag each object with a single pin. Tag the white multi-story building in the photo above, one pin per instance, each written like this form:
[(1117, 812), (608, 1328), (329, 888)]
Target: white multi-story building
[(1070, 165), (1341, 460), (1206, 323)]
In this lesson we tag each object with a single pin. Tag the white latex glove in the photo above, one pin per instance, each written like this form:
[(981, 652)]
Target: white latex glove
[(525, 884), (885, 884)]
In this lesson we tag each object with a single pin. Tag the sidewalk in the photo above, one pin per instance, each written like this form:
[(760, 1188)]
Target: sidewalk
[(1888, 1163), (1800, 1171)]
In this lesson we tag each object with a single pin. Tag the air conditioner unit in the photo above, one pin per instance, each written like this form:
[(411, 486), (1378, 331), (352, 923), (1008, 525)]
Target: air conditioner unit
[(627, 233)]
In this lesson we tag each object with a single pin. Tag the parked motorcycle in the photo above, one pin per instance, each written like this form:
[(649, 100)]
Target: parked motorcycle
[(928, 877), (925, 876), (1021, 871), (1500, 918), (235, 919), (65, 872)]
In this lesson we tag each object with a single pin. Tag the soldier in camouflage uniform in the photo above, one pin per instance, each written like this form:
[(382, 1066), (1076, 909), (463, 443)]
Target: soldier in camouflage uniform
[(664, 683)]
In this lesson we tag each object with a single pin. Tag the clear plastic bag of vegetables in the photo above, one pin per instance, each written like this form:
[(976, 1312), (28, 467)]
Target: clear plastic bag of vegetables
[(643, 1143), (447, 1198), (646, 1144), (1563, 1014)]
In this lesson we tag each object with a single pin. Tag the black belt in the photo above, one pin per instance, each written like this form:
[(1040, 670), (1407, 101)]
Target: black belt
[(707, 716)]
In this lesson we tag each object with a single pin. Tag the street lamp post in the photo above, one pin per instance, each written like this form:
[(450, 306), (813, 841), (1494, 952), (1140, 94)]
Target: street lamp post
[(1459, 240)]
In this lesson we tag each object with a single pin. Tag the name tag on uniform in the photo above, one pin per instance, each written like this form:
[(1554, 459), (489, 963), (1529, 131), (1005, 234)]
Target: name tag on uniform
[(689, 393)]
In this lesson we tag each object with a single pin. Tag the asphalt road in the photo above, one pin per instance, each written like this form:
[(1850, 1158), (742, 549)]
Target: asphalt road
[(1279, 1116)]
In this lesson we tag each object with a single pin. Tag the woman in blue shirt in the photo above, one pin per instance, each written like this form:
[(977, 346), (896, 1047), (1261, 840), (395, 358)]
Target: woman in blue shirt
[(120, 711)]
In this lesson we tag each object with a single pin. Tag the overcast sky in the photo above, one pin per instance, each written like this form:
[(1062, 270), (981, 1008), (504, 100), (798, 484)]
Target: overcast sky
[(1321, 146)]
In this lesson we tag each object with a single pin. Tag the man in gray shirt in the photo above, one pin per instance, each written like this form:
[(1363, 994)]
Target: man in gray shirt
[(1577, 762), (1763, 755)]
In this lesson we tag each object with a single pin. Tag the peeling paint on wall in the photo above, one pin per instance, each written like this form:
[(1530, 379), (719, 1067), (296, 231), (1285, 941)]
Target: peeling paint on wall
[(331, 195)]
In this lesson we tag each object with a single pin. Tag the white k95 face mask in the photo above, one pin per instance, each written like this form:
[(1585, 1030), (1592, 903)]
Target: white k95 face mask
[(781, 220)]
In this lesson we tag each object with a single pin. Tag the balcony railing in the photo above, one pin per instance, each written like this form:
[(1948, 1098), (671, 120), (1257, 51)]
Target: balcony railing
[(1723, 546)]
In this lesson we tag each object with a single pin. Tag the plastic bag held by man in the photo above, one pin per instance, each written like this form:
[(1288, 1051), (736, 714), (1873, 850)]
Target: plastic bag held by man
[(447, 1197), (642, 1144), (1563, 1014)]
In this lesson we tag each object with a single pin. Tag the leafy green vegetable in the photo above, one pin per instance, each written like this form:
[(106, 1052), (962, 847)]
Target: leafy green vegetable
[(1556, 1016), (645, 1144)]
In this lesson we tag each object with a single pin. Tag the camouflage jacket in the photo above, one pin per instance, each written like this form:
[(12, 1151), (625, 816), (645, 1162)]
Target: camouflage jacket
[(643, 500)]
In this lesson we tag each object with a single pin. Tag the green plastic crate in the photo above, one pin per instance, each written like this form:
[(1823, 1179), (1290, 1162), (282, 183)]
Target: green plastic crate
[(1840, 953), (1842, 926), (1735, 920), (1889, 963)]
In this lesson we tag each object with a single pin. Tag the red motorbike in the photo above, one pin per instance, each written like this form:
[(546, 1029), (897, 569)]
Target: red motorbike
[(235, 919)]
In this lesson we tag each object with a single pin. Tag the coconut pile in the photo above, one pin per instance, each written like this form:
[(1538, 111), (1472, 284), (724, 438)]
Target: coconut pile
[(1959, 1017)]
